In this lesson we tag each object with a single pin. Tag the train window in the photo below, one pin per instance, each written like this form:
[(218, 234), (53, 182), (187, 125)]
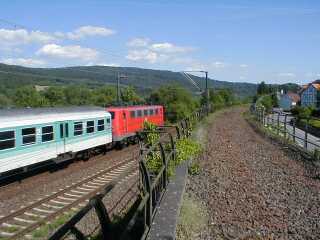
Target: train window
[(157, 111), (139, 113), (151, 112), (7, 140), (108, 120), (133, 114), (78, 128), (28, 136), (47, 133), (90, 126), (112, 115), (145, 112), (101, 124)]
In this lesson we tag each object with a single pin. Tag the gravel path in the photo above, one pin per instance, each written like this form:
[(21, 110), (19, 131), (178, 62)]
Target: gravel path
[(17, 194), (252, 188)]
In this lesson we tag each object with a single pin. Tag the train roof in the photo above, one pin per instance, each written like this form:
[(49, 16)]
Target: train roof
[(32, 116), (132, 107)]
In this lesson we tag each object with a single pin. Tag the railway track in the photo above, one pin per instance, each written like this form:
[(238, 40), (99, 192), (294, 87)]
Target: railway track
[(20, 224)]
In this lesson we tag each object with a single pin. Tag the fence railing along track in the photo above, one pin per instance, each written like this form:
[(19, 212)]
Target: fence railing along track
[(284, 125), (152, 187)]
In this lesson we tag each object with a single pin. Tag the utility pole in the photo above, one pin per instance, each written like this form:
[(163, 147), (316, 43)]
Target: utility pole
[(120, 76), (205, 92)]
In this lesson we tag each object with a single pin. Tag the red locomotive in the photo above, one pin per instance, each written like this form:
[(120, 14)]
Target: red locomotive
[(127, 121)]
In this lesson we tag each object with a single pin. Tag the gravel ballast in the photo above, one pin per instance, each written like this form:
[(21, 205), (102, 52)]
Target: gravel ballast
[(252, 188)]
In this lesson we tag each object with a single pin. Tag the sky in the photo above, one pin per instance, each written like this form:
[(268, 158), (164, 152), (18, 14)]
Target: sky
[(234, 40)]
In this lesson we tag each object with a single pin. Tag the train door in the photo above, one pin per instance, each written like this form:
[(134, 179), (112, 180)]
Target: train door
[(63, 135), (125, 122)]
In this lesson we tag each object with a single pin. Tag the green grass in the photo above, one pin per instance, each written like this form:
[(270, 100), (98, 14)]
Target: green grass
[(313, 122), (193, 218), (46, 229)]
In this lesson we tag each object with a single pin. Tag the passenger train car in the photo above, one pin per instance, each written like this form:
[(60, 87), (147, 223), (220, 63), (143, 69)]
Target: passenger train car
[(127, 121), (31, 136)]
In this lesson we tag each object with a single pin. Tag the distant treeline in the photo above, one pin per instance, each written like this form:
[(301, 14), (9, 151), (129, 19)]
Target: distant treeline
[(178, 101)]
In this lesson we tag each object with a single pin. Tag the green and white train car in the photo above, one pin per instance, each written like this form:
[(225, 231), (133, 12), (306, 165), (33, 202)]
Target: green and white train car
[(32, 136)]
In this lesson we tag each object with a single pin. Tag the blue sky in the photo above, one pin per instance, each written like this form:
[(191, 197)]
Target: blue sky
[(247, 41)]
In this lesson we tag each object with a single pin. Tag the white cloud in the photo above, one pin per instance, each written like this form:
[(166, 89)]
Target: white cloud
[(142, 55), (27, 62), (242, 78), (138, 42), (142, 49), (218, 64), (169, 48), (68, 52), (103, 64), (244, 65), (290, 75), (89, 31), (22, 36)]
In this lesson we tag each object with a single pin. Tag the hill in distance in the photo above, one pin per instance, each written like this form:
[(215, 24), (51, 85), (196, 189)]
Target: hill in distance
[(144, 80)]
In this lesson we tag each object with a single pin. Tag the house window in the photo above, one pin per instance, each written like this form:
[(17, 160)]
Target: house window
[(90, 126), (78, 128), (7, 140), (28, 136), (100, 125), (47, 133)]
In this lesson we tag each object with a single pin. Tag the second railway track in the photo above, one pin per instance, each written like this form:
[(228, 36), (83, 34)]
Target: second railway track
[(20, 223)]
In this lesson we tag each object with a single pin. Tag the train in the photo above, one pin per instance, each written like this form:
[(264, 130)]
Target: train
[(32, 136)]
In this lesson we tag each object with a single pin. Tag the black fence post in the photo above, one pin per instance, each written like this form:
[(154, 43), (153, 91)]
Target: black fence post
[(306, 135), (147, 189), (103, 216), (165, 163), (285, 126), (278, 124), (294, 130)]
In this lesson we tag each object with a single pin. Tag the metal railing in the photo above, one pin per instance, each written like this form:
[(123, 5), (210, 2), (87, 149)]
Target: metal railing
[(285, 125), (151, 185)]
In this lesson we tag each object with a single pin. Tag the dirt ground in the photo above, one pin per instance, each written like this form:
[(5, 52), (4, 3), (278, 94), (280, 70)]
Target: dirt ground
[(252, 188)]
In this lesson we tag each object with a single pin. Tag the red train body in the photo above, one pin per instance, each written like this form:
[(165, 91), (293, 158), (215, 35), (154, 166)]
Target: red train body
[(127, 121)]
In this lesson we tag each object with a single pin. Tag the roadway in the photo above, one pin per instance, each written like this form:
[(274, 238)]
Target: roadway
[(313, 141)]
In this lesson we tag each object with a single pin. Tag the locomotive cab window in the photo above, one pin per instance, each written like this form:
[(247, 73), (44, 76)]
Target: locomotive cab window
[(47, 133), (78, 128), (139, 113), (90, 126), (101, 124), (157, 111), (145, 112), (112, 115), (28, 136), (132, 114), (150, 112), (7, 140)]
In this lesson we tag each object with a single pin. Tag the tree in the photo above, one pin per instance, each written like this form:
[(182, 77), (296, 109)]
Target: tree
[(263, 88), (129, 96), (104, 96), (78, 95), (27, 96), (178, 102), (55, 96)]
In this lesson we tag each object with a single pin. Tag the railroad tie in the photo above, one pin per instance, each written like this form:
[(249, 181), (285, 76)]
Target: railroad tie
[(24, 220), (67, 199), (79, 192), (43, 210), (51, 206), (72, 195), (59, 202), (34, 215)]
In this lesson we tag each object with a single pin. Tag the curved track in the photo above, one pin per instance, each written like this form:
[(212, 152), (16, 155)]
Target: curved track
[(20, 223)]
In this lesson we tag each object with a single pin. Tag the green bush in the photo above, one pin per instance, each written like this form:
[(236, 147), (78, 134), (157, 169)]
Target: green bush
[(187, 148)]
